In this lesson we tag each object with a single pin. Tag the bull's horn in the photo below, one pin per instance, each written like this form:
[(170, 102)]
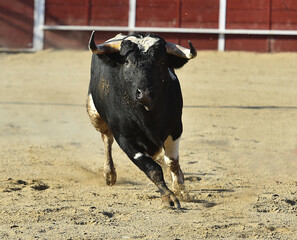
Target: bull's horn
[(180, 51), (105, 48)]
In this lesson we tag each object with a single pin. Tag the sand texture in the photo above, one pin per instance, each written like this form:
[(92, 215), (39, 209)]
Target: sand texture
[(238, 153)]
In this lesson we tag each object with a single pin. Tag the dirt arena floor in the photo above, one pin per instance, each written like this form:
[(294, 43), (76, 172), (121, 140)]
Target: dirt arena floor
[(238, 153)]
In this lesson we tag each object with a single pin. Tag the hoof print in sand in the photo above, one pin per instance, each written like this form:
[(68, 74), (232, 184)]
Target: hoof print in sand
[(39, 185), (193, 179), (12, 185)]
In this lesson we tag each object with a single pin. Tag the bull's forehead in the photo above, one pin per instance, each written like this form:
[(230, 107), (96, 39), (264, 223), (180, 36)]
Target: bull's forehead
[(143, 43)]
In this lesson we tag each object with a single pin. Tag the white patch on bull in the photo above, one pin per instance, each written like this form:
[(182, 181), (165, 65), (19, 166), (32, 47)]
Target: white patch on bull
[(91, 107), (143, 43), (171, 158), (171, 74), (139, 155), (171, 148), (176, 178)]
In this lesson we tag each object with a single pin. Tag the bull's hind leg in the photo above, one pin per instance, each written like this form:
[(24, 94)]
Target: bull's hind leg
[(109, 169), (107, 137), (171, 159)]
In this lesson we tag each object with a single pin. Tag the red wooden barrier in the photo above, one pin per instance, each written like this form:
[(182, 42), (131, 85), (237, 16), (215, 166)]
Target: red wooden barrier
[(16, 23), (153, 13), (284, 14), (87, 12), (109, 13), (252, 14), (199, 14), (177, 13), (261, 14), (283, 17), (83, 12)]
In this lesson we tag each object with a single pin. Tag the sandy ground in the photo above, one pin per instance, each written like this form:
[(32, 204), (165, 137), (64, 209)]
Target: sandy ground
[(238, 153)]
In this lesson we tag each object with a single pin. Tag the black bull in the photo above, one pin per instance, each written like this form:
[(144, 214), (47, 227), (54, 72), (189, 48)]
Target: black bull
[(135, 97)]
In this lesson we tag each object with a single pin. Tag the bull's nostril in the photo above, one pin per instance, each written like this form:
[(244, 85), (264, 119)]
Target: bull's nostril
[(139, 94)]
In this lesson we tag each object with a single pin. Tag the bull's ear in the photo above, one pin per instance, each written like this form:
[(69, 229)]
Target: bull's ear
[(176, 62)]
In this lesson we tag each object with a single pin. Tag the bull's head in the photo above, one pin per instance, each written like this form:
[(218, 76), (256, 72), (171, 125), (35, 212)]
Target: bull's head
[(146, 62)]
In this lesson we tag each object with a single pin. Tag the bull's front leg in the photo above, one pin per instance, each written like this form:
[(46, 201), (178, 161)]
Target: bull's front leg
[(155, 174), (171, 158)]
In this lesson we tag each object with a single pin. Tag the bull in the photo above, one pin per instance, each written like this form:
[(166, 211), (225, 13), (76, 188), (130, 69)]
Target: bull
[(135, 98)]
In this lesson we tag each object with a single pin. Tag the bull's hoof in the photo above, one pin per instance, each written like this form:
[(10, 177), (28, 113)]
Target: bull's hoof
[(110, 177), (184, 196), (170, 201), (181, 192)]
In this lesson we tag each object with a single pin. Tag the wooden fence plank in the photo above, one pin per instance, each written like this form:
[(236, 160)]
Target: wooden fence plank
[(247, 43), (16, 23)]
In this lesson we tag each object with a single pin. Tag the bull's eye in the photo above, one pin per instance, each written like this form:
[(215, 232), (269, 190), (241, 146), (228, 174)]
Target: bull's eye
[(127, 62)]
